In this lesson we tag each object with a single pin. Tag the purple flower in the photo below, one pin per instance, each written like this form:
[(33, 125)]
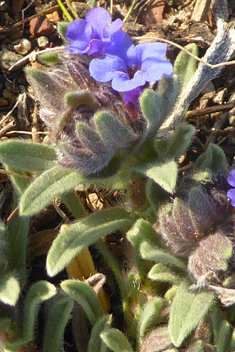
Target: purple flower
[(92, 35), (231, 182), (129, 66)]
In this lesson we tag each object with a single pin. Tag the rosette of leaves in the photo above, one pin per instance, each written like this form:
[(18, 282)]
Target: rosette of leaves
[(95, 140)]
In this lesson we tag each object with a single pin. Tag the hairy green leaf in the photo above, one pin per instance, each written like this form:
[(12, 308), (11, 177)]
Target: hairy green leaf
[(168, 90), (115, 135), (164, 174), (213, 159), (95, 343), (116, 340), (85, 295), (156, 195), (162, 273), (50, 57), (180, 141), (9, 288), (186, 65), (73, 203), (62, 29), (150, 104), (140, 231), (224, 337), (17, 233), (56, 182), (56, 323), (187, 310), (83, 233), (222, 332), (37, 293), (19, 180), (150, 252), (149, 316), (28, 156), (46, 187), (90, 138)]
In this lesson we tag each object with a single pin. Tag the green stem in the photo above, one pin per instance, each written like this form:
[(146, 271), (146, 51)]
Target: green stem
[(129, 11), (72, 202), (70, 19)]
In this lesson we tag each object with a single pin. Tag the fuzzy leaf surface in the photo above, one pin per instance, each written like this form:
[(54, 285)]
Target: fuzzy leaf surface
[(156, 195), (185, 65), (116, 340), (17, 233), (162, 273), (180, 141), (62, 29), (213, 159), (27, 155), (150, 316), (140, 231), (46, 187), (224, 339), (85, 295), (83, 233), (150, 103), (149, 252), (56, 323), (73, 203), (164, 174), (55, 182), (95, 343), (9, 288), (37, 293), (50, 57), (114, 134), (187, 310), (168, 89)]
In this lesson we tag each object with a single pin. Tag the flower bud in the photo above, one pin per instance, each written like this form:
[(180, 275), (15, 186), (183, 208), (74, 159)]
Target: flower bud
[(88, 121), (194, 214), (157, 340), (211, 258)]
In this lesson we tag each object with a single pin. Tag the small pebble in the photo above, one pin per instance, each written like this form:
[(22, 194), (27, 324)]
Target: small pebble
[(53, 17), (39, 26), (80, 8), (96, 203), (232, 120), (208, 88), (9, 96), (3, 102), (3, 5), (12, 87), (22, 79), (43, 42), (23, 47), (8, 59)]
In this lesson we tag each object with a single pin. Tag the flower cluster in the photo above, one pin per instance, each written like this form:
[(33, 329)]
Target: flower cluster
[(88, 121), (92, 35), (117, 59)]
